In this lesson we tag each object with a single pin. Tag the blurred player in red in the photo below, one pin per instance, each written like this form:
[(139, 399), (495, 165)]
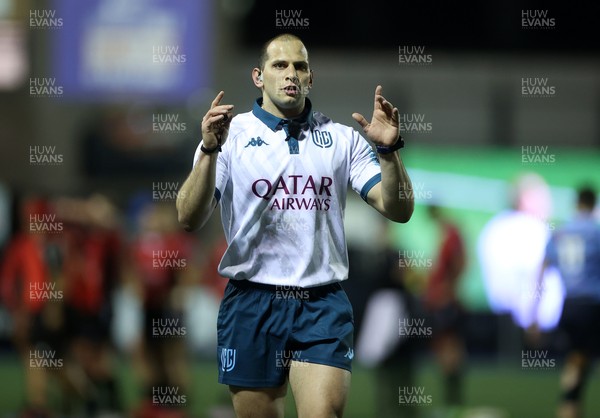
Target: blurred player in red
[(91, 269), (161, 265), (443, 305), (31, 291)]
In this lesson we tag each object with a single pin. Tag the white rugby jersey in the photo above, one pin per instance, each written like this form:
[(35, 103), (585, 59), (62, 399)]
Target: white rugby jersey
[(283, 199)]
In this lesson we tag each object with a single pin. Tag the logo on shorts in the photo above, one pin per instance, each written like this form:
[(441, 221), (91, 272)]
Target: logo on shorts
[(349, 354), (227, 359), (322, 139)]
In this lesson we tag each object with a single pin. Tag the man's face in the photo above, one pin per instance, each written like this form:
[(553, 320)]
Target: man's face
[(286, 77)]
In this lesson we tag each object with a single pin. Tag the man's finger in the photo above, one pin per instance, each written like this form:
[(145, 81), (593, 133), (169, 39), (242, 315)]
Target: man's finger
[(378, 91), (383, 103), (217, 99), (214, 119), (360, 119), (219, 110)]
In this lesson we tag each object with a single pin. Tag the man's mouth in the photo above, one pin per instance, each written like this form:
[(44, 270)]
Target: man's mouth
[(291, 90)]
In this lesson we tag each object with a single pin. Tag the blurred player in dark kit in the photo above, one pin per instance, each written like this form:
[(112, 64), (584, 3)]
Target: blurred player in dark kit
[(381, 345), (574, 249)]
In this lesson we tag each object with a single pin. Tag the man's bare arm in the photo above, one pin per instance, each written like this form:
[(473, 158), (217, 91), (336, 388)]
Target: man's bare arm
[(195, 200), (393, 196)]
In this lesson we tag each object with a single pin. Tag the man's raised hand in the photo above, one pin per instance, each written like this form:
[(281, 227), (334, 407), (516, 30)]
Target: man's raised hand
[(384, 128), (215, 124)]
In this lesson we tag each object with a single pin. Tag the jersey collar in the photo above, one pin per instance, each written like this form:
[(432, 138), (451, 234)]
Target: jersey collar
[(275, 123)]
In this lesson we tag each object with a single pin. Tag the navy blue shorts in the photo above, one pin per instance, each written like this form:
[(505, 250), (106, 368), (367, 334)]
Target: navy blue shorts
[(262, 329), (580, 316)]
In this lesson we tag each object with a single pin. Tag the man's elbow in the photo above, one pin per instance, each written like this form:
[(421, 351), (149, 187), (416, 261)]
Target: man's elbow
[(401, 218), (186, 218), (186, 222), (401, 215), (193, 220)]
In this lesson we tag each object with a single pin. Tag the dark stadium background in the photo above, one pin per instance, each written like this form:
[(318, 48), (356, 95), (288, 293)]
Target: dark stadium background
[(470, 94)]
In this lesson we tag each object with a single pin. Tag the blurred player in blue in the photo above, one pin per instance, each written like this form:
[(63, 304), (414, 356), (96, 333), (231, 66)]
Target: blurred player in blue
[(281, 173), (574, 249)]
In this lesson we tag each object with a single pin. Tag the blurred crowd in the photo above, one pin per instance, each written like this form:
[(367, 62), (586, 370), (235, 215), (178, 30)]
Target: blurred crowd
[(84, 280)]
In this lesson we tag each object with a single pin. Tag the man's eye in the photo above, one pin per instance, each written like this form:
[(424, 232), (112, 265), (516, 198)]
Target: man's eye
[(279, 65)]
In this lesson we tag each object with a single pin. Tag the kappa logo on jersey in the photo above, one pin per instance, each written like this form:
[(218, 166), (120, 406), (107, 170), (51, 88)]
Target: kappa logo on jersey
[(227, 359), (322, 139), (256, 142), (349, 354)]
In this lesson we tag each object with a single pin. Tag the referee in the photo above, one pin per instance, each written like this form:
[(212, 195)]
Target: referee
[(281, 173)]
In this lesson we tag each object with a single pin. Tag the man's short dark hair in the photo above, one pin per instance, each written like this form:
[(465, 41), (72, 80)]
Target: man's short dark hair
[(263, 52), (586, 197)]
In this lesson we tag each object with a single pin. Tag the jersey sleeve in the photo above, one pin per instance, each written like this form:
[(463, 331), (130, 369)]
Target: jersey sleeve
[(222, 175), (365, 171)]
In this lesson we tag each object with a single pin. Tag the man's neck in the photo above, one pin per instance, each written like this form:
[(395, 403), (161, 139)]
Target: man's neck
[(282, 113)]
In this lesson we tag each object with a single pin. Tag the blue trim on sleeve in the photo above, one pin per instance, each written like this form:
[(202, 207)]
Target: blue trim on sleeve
[(369, 185), (217, 195)]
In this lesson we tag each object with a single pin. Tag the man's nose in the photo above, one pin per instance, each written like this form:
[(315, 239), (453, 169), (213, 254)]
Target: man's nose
[(292, 74)]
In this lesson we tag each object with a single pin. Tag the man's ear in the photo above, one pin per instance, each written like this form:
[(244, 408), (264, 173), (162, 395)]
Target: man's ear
[(310, 80), (257, 77)]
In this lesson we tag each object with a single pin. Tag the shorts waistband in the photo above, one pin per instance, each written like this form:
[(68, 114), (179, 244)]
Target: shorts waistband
[(247, 284)]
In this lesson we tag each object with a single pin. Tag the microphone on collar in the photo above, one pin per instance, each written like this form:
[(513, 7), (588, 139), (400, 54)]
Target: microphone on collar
[(294, 129)]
